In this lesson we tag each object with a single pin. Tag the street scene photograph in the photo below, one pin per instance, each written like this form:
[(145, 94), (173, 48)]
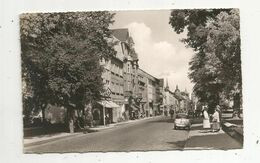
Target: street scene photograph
[(125, 81)]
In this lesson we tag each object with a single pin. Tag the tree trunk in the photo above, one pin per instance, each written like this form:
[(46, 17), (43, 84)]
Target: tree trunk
[(43, 115), (237, 103), (71, 125), (43, 108), (71, 120)]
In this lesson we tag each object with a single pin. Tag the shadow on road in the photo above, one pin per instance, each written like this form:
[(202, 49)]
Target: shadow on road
[(197, 120), (166, 120), (196, 128)]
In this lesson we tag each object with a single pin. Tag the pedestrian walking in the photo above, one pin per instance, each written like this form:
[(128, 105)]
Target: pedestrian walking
[(165, 113), (206, 123), (172, 113), (215, 121)]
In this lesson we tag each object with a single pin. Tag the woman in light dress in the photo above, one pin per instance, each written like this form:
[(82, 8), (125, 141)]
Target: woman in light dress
[(206, 123), (216, 120)]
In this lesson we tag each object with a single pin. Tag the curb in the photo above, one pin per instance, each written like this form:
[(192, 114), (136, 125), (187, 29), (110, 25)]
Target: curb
[(95, 129)]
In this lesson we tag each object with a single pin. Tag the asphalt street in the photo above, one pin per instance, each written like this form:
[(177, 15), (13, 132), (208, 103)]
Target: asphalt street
[(149, 134), (145, 135)]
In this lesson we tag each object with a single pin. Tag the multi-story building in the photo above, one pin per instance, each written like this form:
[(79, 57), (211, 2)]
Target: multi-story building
[(130, 70), (186, 102), (170, 101), (150, 92), (132, 91), (183, 100), (120, 79), (114, 83), (143, 92), (178, 100)]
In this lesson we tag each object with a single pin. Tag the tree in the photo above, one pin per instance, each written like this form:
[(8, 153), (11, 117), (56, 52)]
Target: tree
[(216, 66), (60, 57)]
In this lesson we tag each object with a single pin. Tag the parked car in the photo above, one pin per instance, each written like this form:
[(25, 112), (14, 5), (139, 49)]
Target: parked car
[(182, 121)]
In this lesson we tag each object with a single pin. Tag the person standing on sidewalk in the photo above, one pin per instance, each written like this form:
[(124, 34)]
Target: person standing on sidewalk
[(220, 114), (206, 123), (171, 113), (215, 121), (165, 113)]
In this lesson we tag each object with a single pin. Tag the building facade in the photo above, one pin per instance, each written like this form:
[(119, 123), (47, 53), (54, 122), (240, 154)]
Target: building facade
[(151, 93), (119, 78), (143, 92), (170, 101), (131, 92), (130, 72)]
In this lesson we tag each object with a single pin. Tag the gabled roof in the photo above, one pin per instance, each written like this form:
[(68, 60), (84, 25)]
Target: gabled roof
[(121, 34)]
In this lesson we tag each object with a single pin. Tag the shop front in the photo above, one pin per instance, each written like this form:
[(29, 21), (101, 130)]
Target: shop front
[(106, 112)]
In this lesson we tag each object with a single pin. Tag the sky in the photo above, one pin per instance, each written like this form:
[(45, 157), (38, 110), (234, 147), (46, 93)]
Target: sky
[(158, 47)]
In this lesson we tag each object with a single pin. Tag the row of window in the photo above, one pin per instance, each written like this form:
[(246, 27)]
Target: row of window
[(116, 69), (117, 88), (111, 66)]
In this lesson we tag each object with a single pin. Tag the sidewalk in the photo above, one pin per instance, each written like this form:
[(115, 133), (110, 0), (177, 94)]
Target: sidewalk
[(200, 139), (41, 139), (234, 128), (37, 140), (102, 127)]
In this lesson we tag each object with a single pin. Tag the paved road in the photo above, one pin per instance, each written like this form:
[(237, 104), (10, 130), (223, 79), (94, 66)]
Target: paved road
[(144, 135), (150, 134)]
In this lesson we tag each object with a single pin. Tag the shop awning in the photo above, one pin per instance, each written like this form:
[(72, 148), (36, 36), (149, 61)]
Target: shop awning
[(109, 104)]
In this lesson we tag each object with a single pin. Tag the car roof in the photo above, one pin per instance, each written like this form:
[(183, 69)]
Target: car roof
[(182, 115)]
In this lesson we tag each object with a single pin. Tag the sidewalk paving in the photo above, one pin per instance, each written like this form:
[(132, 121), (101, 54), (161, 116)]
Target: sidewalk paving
[(200, 139), (234, 128), (41, 139), (102, 127), (37, 140)]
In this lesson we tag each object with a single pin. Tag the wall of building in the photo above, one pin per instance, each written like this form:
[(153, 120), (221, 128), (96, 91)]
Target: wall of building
[(152, 90), (114, 80)]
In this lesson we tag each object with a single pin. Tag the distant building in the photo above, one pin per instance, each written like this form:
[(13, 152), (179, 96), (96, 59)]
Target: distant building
[(131, 92), (143, 92), (170, 101), (195, 102), (150, 90), (183, 100)]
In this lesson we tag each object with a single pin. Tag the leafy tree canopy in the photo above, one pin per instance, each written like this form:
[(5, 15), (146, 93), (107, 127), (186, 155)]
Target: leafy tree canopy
[(214, 35), (60, 56)]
